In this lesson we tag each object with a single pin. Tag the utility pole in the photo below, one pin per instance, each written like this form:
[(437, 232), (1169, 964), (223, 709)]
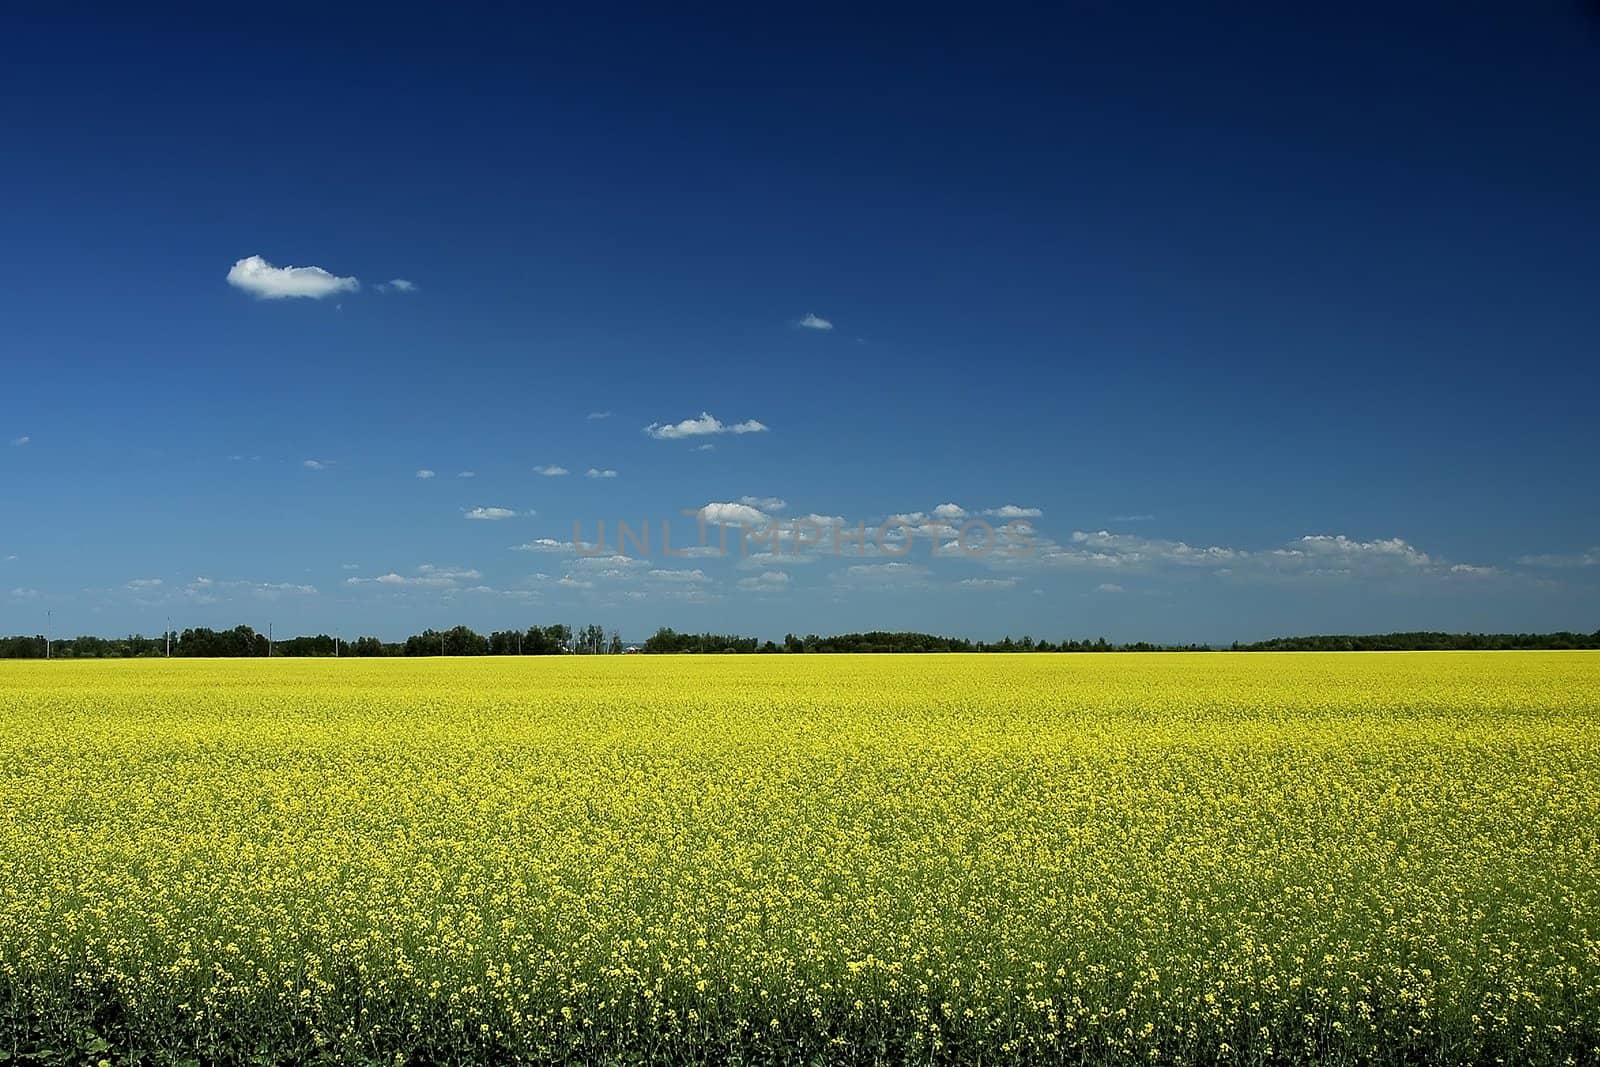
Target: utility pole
[(49, 624), (335, 648), (441, 643), (169, 636), (269, 640)]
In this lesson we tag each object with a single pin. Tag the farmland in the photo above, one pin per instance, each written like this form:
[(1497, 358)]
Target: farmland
[(1171, 858)]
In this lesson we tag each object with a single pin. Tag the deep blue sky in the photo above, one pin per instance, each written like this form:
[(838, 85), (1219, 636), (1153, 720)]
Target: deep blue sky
[(1224, 279)]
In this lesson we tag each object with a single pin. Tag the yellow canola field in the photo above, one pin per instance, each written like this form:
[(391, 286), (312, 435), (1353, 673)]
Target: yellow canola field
[(1186, 858)]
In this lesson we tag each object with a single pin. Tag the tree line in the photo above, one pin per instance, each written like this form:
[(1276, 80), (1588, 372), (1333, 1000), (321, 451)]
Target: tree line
[(243, 641), (1425, 641), (594, 639)]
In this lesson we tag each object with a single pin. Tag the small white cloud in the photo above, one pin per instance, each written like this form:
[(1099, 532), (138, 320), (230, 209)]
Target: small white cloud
[(596, 472), (543, 544), (275, 590), (594, 416), (683, 576), (256, 276), (765, 582), (551, 471), (950, 511), (400, 579), (883, 575), (731, 514), (397, 285), (425, 474), (765, 503), (23, 593), (145, 583), (1108, 587), (19, 442), (988, 583), (1470, 570), (316, 464), (1339, 550), (1588, 558), (1013, 511), (467, 474), (491, 514), (448, 572), (814, 322), (707, 447), (428, 576), (702, 426)]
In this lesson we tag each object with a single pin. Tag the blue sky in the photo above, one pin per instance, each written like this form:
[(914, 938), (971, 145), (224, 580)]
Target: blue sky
[(1271, 324)]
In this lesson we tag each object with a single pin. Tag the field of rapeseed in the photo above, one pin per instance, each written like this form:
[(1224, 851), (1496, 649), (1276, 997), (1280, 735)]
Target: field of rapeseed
[(1170, 858)]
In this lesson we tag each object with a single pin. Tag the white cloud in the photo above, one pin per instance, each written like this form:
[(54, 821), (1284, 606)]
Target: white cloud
[(988, 583), (543, 544), (316, 464), (145, 583), (23, 593), (707, 447), (731, 514), (814, 322), (594, 416), (1588, 558), (1013, 511), (761, 560), (680, 576), (428, 576), (1315, 556), (448, 572), (895, 575), (950, 511), (399, 579), (1469, 570), (425, 474), (698, 552), (765, 503), (1337, 550), (706, 424), (490, 514), (207, 590), (616, 562), (397, 285), (467, 474), (1128, 548), (275, 590), (256, 276), (18, 442), (550, 470), (596, 472), (1108, 587), (766, 582)]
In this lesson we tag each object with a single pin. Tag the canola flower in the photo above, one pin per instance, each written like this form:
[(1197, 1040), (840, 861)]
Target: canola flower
[(937, 859)]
